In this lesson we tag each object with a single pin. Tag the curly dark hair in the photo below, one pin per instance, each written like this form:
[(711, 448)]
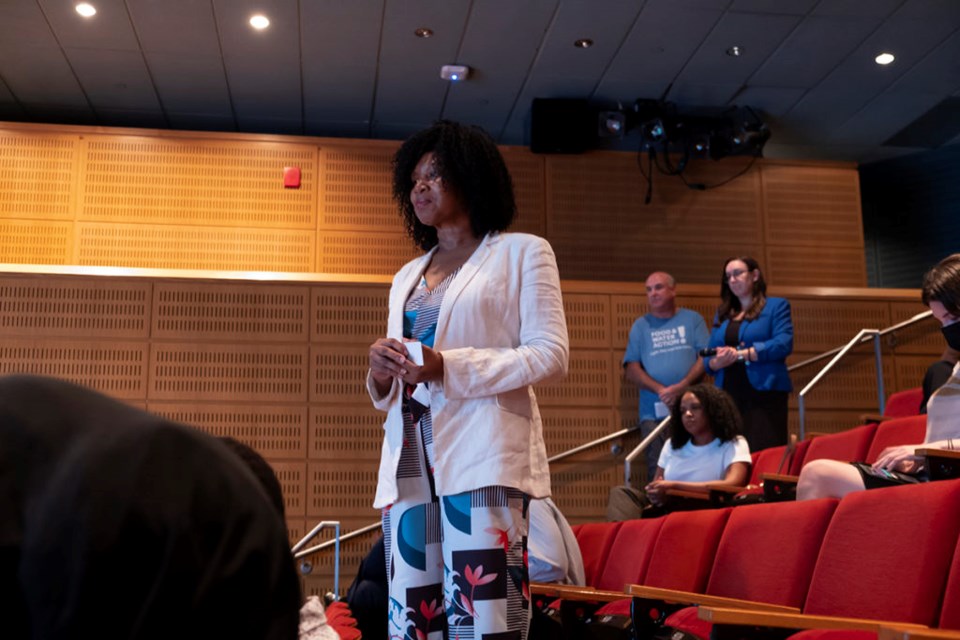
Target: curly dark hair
[(730, 304), (942, 283), (721, 413), (470, 165)]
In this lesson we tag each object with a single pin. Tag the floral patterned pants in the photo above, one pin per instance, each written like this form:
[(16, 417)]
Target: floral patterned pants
[(457, 565)]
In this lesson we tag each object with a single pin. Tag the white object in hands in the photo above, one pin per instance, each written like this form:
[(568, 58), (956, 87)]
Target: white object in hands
[(414, 352), (415, 355)]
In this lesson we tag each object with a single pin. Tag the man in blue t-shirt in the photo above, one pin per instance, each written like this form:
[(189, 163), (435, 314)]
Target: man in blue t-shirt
[(662, 357)]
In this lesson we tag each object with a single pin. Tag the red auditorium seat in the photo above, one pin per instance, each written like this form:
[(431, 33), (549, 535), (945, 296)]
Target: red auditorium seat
[(626, 563), (949, 612), (630, 554), (799, 456), (885, 557), (680, 558), (898, 405), (595, 540), (681, 561), (904, 403), (760, 545), (899, 431), (846, 446)]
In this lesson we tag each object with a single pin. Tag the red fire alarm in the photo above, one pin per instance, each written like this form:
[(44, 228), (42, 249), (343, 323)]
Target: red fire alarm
[(291, 177)]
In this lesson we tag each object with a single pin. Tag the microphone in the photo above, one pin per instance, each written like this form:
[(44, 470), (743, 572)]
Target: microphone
[(708, 353)]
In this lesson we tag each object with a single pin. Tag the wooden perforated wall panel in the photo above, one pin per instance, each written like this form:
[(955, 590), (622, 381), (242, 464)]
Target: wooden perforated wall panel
[(280, 366), (180, 200), (193, 247), (355, 188), (527, 171), (189, 181), (38, 175)]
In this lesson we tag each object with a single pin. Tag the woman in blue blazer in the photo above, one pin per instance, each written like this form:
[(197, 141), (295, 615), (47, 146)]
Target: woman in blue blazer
[(753, 336)]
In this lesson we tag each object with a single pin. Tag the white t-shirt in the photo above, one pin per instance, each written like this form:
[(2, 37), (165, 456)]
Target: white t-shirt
[(707, 463)]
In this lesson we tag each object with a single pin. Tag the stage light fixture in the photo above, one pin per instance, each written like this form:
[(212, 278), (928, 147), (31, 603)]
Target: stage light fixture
[(611, 124)]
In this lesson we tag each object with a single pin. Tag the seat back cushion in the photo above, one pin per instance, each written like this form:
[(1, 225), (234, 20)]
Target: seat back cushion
[(630, 554), (904, 403), (950, 607), (799, 454), (763, 543), (595, 540), (685, 548), (892, 433), (886, 554), (845, 446), (767, 461)]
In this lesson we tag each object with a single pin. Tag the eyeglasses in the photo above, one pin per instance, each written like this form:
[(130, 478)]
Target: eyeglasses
[(736, 274)]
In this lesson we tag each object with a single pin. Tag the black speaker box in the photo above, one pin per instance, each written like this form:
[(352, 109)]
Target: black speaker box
[(561, 125)]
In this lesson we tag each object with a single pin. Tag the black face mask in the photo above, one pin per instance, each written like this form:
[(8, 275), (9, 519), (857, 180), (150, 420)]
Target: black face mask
[(952, 333)]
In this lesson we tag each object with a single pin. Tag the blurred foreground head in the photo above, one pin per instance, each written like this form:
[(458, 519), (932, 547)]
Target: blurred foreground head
[(116, 523)]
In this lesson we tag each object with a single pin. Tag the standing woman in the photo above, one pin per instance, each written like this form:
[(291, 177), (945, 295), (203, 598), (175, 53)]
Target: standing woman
[(463, 448), (753, 335)]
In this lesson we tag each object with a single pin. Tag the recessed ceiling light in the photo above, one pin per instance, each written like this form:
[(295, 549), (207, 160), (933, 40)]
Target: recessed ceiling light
[(86, 9), (885, 58), (735, 51), (583, 43), (423, 32), (259, 22)]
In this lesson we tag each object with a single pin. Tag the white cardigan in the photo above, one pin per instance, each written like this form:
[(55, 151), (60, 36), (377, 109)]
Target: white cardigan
[(500, 329)]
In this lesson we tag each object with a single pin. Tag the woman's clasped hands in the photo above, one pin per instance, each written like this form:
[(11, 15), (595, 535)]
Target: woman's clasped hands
[(390, 359), (725, 357)]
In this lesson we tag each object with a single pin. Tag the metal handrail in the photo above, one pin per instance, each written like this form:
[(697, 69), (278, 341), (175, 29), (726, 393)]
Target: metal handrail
[(324, 524), (593, 443), (891, 329), (843, 351), (640, 448)]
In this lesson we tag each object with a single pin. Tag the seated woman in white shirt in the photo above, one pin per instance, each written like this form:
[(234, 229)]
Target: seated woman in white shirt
[(705, 445)]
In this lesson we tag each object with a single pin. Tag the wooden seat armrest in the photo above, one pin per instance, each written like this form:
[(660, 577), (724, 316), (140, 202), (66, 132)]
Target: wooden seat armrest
[(905, 633), (587, 594), (556, 590), (718, 615), (873, 417), (688, 597), (725, 487), (695, 494), (951, 454), (779, 477)]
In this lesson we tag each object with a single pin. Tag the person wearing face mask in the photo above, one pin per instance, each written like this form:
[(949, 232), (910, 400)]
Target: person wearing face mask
[(752, 335), (900, 465)]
